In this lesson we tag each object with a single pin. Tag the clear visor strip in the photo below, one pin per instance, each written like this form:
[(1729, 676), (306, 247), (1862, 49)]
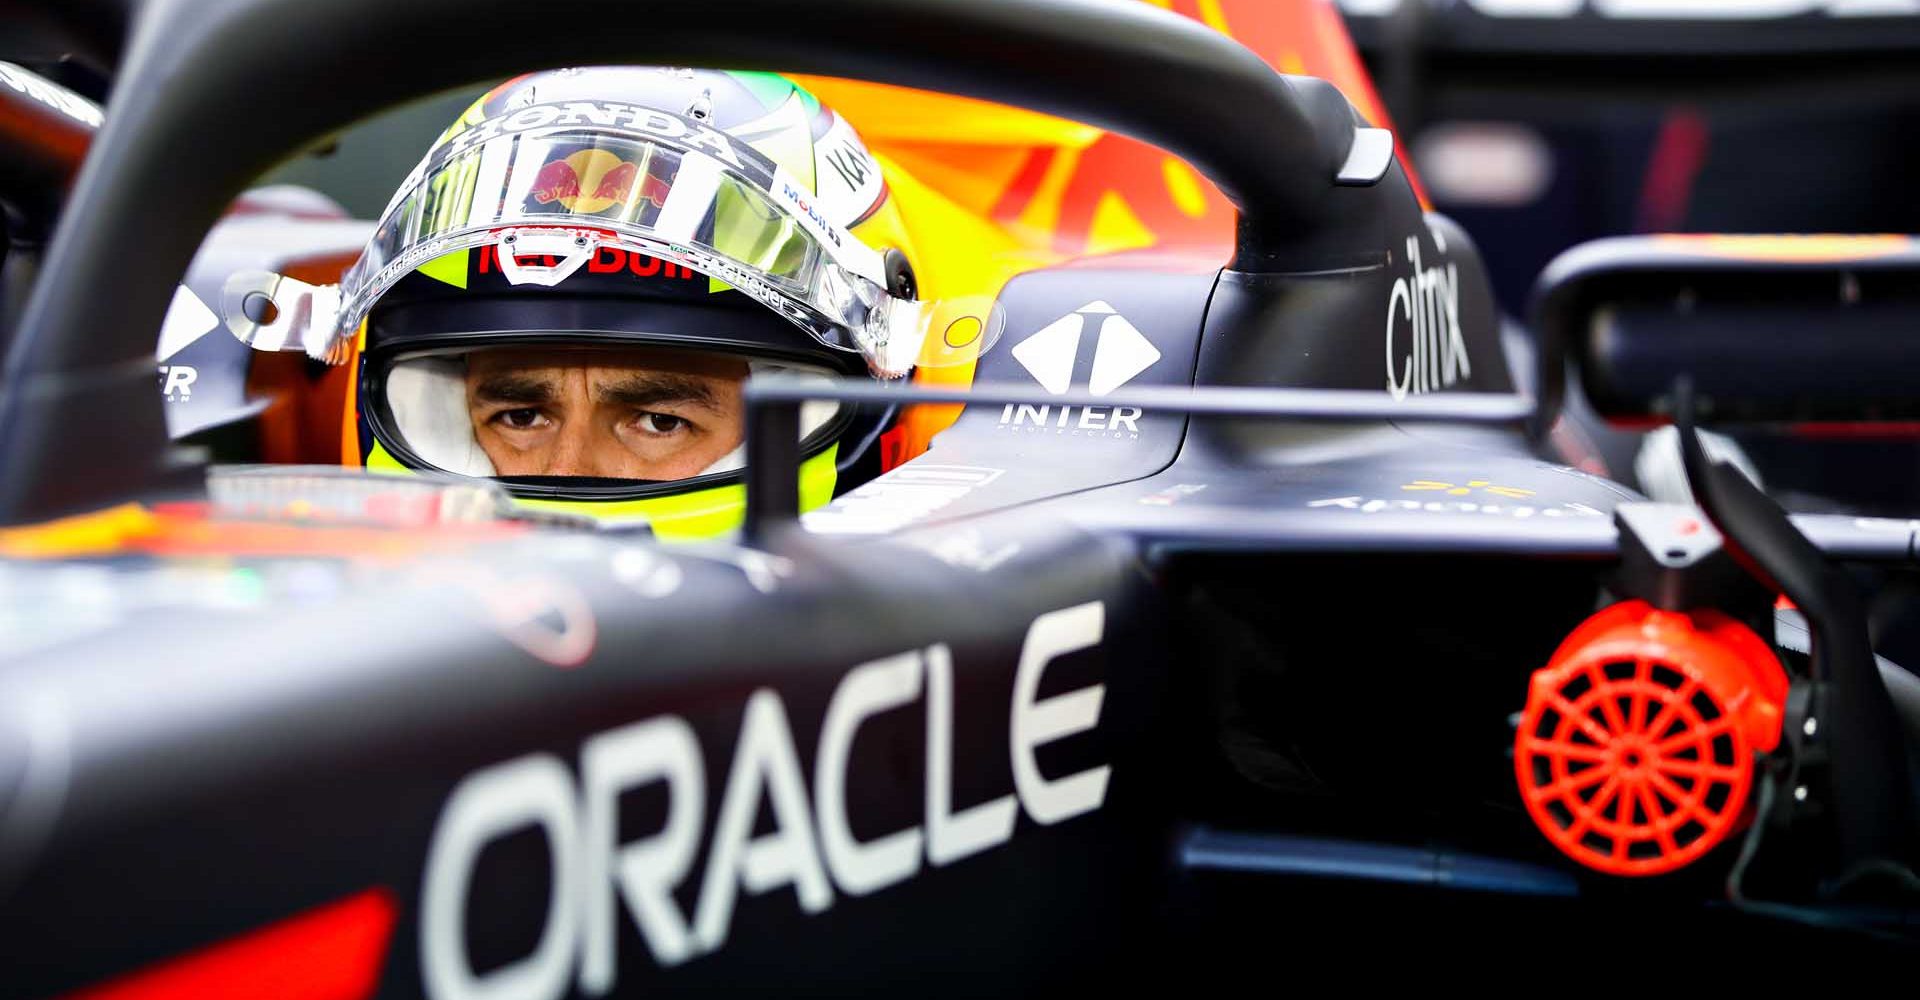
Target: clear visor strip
[(695, 187)]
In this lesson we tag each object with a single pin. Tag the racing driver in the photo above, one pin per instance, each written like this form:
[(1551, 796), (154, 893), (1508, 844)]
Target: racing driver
[(570, 289)]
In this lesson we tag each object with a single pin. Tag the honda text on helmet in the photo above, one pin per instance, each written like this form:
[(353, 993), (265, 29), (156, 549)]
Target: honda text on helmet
[(569, 291)]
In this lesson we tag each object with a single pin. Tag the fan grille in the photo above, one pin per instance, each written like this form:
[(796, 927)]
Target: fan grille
[(1633, 754)]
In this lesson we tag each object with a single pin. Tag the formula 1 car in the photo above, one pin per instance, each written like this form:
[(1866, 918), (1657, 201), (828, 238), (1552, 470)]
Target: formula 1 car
[(1236, 618)]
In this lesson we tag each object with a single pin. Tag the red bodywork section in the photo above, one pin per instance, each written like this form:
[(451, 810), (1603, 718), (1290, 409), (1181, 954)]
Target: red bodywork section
[(332, 952)]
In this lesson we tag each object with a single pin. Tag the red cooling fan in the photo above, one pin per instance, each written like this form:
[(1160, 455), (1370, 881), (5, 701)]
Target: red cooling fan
[(1635, 753)]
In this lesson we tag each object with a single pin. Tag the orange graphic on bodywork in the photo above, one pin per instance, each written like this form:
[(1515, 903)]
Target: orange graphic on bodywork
[(1809, 247), (1069, 189), (1003, 190)]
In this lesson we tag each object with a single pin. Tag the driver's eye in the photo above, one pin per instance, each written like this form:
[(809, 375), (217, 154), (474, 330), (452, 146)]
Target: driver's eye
[(661, 423), (519, 419)]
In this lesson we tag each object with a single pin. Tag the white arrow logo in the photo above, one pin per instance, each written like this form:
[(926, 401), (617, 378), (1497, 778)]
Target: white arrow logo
[(188, 319), (1121, 353)]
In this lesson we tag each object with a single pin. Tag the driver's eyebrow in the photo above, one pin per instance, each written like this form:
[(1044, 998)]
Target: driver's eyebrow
[(514, 387), (657, 388)]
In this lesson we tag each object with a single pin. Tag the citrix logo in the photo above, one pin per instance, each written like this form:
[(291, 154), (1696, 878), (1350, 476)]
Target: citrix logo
[(1120, 354), (1427, 309)]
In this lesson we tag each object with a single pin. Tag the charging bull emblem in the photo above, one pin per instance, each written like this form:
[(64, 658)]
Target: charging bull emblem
[(594, 180)]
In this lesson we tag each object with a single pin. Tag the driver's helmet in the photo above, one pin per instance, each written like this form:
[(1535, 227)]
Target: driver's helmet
[(568, 291)]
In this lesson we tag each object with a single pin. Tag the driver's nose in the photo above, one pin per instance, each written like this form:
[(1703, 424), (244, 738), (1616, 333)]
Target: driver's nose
[(577, 452)]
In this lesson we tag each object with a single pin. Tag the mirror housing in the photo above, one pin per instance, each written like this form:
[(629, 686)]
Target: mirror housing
[(1800, 329)]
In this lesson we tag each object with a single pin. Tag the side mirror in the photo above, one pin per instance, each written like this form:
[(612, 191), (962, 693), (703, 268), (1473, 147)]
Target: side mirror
[(1767, 328)]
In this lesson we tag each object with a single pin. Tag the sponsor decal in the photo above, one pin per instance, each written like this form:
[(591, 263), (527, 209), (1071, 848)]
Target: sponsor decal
[(603, 114), (842, 246), (176, 382), (605, 260), (1120, 354), (850, 163), (899, 498), (848, 179), (802, 203), (808, 846), (1376, 505), (1469, 488), (51, 94), (188, 319), (594, 180), (1112, 422), (1425, 348)]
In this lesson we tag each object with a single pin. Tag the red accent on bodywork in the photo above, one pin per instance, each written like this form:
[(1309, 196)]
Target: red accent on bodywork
[(1576, 448), (1863, 429), (267, 538), (1165, 260), (893, 449), (332, 952), (1026, 184), (1300, 36), (54, 139), (1678, 154)]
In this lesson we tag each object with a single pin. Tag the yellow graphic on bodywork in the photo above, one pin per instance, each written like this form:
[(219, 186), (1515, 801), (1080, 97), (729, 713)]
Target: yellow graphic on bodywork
[(1482, 485), (97, 533)]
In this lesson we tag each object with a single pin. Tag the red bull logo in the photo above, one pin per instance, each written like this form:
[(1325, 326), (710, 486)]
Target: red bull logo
[(605, 260), (557, 181), (594, 180)]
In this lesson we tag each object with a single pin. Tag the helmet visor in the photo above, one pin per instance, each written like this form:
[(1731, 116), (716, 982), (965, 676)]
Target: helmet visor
[(550, 185)]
